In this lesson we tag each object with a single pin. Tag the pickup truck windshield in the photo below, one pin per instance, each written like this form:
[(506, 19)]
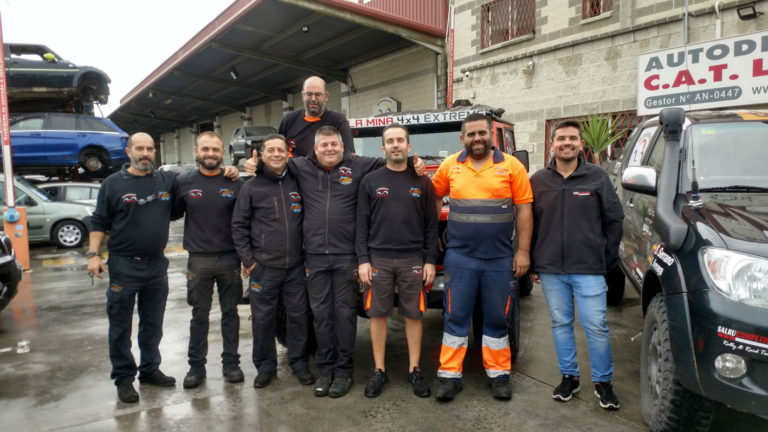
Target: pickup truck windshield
[(728, 156)]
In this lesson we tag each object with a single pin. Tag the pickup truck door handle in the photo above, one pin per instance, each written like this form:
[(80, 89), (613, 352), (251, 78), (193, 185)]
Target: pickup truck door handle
[(629, 204)]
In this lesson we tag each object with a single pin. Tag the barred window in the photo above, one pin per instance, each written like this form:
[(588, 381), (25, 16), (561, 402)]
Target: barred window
[(593, 8), (504, 20)]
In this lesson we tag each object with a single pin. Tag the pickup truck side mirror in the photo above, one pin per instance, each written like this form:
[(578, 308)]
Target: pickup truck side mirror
[(522, 156), (639, 179)]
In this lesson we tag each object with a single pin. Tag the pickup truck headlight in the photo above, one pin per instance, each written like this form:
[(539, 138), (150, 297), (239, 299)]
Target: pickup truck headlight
[(738, 276)]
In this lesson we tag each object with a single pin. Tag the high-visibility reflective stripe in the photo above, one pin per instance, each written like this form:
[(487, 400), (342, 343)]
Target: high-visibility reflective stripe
[(455, 341), (497, 358), (452, 354), (494, 343), (506, 310), (422, 306), (500, 202), (481, 218)]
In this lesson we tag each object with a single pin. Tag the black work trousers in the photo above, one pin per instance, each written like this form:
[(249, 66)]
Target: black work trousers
[(202, 272), (132, 280), (333, 290), (267, 286)]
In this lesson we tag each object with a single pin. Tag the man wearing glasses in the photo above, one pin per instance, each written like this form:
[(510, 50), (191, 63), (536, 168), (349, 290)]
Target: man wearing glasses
[(134, 206), (299, 126)]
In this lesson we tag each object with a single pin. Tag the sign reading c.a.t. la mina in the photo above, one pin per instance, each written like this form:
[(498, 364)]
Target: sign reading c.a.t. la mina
[(722, 73)]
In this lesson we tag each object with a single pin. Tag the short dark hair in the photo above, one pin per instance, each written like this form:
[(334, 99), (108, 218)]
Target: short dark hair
[(327, 130), (271, 137), (567, 123), (209, 134), (395, 126), (473, 118)]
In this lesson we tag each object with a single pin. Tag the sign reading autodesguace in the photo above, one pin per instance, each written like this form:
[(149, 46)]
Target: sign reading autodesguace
[(717, 74)]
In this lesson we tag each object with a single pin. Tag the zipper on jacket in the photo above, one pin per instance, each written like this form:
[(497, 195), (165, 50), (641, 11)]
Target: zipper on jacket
[(285, 223), (327, 208), (562, 229)]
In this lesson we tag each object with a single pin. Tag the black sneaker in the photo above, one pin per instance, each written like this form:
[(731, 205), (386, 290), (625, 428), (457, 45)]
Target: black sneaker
[(194, 378), (233, 374), (500, 388), (376, 383), (305, 377), (340, 387), (323, 386), (419, 384), (567, 388), (263, 379), (608, 399), (157, 378), (447, 389), (126, 393)]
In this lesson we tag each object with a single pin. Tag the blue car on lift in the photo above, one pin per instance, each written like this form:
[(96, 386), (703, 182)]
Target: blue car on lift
[(58, 140)]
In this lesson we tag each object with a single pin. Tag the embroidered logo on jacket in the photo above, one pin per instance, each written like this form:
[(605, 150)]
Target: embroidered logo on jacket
[(129, 198), (195, 194), (345, 175), (415, 192), (582, 193), (382, 192), (164, 196), (296, 205), (226, 193)]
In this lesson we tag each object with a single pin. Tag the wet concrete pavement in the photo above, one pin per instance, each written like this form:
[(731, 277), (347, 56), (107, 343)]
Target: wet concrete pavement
[(54, 371)]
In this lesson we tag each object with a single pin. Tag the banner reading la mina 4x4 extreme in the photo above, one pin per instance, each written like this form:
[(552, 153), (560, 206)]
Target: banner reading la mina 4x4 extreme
[(716, 74)]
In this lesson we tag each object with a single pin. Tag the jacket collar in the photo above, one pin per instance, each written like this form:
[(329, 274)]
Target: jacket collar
[(579, 168), (498, 156)]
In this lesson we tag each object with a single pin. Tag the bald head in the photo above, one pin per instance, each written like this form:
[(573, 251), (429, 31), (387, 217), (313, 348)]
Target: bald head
[(140, 137), (314, 82), (314, 95)]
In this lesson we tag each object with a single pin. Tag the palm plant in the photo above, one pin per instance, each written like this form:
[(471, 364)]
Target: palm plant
[(599, 132)]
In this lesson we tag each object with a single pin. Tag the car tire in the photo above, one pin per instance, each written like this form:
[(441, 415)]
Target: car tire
[(68, 234), (666, 404), (524, 286), (92, 160), (281, 329), (615, 281)]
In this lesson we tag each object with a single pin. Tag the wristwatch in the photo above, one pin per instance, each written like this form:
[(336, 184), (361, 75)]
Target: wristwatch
[(91, 254)]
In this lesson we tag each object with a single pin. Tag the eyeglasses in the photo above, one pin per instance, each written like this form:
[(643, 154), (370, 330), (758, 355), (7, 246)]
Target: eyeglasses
[(309, 95)]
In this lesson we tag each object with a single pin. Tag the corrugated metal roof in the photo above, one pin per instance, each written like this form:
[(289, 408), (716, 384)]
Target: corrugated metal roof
[(261, 50)]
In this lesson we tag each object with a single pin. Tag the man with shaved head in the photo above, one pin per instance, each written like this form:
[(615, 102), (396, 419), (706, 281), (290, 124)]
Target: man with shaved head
[(299, 127), (134, 207)]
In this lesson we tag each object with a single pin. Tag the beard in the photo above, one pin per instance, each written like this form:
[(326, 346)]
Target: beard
[(475, 151), (142, 164), (210, 163), (316, 110)]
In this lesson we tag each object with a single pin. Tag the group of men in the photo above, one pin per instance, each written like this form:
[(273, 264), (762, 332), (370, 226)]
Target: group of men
[(306, 228)]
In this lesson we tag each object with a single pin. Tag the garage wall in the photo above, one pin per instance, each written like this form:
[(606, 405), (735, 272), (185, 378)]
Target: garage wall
[(581, 66), (407, 76)]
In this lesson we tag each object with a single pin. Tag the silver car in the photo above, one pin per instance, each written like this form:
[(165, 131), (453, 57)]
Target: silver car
[(79, 192), (64, 223)]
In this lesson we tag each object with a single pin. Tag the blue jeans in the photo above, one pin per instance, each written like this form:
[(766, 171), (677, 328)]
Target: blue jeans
[(588, 292)]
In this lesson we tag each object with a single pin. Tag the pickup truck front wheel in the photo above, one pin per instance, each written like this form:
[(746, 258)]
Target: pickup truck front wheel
[(667, 405)]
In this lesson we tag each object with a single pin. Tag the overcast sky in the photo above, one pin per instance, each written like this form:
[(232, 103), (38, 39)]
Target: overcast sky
[(127, 39)]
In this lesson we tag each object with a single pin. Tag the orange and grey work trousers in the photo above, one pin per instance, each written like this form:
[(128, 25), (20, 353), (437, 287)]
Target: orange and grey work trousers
[(465, 279)]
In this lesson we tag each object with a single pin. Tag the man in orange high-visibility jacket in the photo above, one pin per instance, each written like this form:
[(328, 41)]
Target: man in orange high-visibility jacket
[(489, 190)]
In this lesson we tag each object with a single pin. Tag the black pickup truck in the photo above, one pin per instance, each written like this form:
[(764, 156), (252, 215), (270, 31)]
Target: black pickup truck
[(695, 245)]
